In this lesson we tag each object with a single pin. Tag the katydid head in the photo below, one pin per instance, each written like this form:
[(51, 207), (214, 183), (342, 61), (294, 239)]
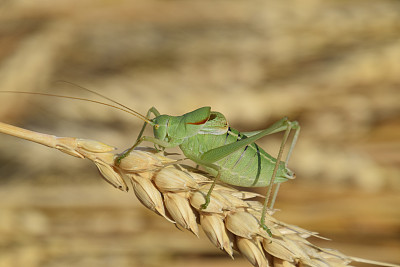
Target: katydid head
[(175, 129), (160, 127)]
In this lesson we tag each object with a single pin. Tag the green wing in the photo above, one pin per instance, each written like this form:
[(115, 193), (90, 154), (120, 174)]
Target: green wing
[(216, 124)]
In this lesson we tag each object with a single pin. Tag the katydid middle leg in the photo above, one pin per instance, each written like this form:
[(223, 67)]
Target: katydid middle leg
[(139, 138), (208, 196)]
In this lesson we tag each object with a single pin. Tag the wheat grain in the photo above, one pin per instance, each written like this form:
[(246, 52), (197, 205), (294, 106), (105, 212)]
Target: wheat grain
[(231, 220)]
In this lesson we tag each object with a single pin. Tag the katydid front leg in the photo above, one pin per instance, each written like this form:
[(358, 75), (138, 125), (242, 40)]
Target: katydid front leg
[(139, 138)]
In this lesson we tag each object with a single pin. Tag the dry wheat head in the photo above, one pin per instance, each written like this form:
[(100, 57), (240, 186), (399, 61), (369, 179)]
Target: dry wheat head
[(176, 192)]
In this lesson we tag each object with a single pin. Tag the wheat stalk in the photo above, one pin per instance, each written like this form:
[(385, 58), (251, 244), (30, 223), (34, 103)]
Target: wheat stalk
[(231, 221)]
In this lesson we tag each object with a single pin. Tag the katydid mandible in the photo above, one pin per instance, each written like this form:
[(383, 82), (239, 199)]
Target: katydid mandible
[(230, 156)]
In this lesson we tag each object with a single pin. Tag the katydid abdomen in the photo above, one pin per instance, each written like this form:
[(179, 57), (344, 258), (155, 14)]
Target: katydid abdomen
[(250, 166)]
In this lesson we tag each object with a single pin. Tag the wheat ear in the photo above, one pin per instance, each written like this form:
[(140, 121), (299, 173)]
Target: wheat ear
[(231, 221)]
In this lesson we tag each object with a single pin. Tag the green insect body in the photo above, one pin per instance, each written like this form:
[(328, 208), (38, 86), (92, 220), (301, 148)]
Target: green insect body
[(230, 156), (205, 137), (250, 166)]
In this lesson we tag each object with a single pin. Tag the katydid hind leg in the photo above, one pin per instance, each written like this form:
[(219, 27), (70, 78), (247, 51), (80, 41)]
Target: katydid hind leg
[(293, 143), (126, 152), (215, 154), (275, 194), (295, 126), (290, 126), (221, 152), (271, 183)]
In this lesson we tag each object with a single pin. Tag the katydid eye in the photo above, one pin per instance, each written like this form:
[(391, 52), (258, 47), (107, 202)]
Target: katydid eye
[(156, 126)]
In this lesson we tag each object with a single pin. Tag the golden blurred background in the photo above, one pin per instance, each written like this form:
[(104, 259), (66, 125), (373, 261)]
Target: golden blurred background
[(332, 65)]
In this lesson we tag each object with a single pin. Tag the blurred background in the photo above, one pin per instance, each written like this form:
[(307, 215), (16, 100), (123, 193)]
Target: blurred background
[(332, 65)]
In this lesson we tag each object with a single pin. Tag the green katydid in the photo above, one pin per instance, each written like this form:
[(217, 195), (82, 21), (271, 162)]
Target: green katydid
[(230, 156), (205, 137)]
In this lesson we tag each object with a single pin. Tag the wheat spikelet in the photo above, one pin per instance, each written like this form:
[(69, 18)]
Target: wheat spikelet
[(231, 220)]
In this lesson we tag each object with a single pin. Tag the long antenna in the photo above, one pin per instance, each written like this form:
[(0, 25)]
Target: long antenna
[(127, 110), (98, 94)]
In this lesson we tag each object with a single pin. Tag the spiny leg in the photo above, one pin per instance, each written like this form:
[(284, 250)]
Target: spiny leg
[(213, 155), (271, 206), (139, 138), (218, 153), (296, 126), (221, 152), (278, 160)]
